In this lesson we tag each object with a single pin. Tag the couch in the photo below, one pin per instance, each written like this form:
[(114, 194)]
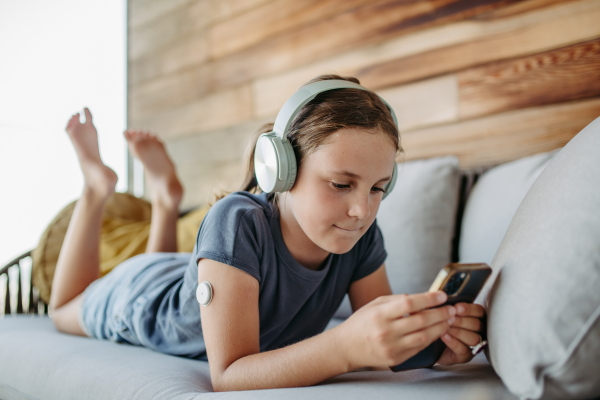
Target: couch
[(535, 220)]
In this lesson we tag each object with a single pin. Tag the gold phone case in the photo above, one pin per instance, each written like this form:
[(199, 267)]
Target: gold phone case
[(462, 282)]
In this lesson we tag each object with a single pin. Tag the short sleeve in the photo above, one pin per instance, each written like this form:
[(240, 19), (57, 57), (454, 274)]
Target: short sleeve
[(371, 253), (232, 233)]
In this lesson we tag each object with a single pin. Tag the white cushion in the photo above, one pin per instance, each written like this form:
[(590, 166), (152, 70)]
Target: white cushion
[(544, 307), (492, 204)]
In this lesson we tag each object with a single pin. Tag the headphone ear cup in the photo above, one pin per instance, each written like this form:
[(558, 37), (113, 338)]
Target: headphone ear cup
[(292, 167), (266, 162), (390, 185)]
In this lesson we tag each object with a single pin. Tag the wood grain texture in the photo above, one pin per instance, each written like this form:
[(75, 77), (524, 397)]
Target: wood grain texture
[(141, 12), (549, 28), (503, 137), (436, 50), (154, 25), (270, 19), (219, 110), (191, 50), (552, 77), (171, 91), (168, 28), (367, 25), (429, 102), (518, 8)]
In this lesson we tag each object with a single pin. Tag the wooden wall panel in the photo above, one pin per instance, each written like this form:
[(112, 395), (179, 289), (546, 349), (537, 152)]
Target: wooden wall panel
[(530, 33), (503, 137), (270, 93), (219, 110), (262, 23), (439, 50), (565, 74), (487, 80), (430, 102)]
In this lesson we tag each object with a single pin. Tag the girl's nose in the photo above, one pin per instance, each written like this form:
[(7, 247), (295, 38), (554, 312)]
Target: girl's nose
[(360, 207)]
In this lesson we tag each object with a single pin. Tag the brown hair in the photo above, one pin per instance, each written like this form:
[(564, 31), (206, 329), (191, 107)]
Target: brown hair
[(324, 115)]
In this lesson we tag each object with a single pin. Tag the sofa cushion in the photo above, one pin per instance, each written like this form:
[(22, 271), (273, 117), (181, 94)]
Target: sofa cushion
[(544, 307), (492, 204), (417, 222), (37, 362)]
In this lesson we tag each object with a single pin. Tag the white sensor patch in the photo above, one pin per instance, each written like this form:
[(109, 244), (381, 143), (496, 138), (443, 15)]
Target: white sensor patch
[(204, 293)]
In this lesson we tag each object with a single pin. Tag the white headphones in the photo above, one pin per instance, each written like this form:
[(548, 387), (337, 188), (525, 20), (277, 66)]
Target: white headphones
[(274, 159)]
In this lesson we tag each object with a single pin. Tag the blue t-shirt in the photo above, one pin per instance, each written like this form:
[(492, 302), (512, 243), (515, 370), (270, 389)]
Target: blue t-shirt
[(158, 308)]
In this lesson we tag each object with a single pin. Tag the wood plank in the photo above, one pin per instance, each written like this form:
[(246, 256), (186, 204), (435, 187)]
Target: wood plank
[(215, 77), (166, 30), (503, 137), (272, 18), (365, 26), (556, 76), (518, 8), (225, 9), (218, 146), (424, 103), (518, 35), (547, 29), (191, 50), (201, 185), (144, 11), (222, 109), (169, 92), (162, 24)]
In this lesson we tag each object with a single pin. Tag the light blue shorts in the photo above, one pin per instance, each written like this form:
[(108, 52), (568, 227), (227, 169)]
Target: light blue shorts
[(141, 302)]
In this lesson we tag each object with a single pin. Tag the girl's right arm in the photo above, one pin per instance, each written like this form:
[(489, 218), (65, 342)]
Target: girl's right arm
[(380, 333)]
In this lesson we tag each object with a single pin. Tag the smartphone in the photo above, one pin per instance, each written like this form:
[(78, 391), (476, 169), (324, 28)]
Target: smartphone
[(462, 283)]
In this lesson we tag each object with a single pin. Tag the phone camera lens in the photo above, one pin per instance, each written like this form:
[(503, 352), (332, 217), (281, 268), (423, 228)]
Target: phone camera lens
[(454, 283)]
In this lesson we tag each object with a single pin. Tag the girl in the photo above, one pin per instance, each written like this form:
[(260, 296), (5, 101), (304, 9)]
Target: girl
[(280, 264)]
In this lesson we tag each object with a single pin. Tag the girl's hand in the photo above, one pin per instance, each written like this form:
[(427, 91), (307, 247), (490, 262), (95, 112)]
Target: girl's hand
[(391, 329), (464, 332)]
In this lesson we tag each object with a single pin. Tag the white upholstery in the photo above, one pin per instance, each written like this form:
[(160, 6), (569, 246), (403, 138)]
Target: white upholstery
[(37, 362), (544, 308)]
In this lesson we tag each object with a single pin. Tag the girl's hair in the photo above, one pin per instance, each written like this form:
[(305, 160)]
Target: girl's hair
[(324, 115)]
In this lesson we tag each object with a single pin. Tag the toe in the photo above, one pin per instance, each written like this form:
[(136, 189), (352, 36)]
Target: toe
[(88, 115)]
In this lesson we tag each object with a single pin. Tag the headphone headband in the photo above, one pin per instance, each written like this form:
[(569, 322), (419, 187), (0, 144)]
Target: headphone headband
[(305, 94)]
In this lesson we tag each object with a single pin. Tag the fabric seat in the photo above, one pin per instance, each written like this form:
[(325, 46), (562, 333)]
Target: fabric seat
[(38, 362)]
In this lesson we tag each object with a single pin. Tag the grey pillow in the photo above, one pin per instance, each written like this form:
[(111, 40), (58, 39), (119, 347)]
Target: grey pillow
[(492, 204), (544, 307), (417, 222)]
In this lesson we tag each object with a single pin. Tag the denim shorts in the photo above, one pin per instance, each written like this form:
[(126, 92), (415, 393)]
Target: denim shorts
[(140, 302)]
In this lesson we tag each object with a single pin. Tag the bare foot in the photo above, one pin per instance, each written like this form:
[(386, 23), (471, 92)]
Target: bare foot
[(99, 179), (146, 147)]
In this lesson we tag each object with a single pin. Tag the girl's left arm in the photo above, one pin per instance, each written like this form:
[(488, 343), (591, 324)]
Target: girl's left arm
[(369, 288), (465, 331)]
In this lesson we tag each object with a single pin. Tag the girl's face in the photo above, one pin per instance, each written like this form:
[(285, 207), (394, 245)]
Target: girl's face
[(338, 190)]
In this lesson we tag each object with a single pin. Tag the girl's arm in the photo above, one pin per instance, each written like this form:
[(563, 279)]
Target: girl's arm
[(369, 288), (374, 335)]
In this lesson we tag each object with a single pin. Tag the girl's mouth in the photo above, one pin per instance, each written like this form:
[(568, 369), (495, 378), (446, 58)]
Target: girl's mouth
[(347, 230)]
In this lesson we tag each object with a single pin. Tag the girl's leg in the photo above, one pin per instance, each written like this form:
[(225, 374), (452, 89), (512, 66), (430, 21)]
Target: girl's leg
[(166, 190), (79, 260)]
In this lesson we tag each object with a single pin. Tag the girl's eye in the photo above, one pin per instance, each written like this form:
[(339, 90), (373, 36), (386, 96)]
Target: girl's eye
[(339, 186), (376, 189)]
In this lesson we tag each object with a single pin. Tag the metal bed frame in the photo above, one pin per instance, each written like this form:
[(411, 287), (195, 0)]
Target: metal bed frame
[(36, 306)]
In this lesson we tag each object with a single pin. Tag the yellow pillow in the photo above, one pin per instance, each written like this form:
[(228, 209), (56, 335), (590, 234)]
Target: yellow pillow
[(124, 234)]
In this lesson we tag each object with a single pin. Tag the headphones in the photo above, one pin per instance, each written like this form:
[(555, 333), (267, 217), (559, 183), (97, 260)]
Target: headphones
[(275, 165)]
